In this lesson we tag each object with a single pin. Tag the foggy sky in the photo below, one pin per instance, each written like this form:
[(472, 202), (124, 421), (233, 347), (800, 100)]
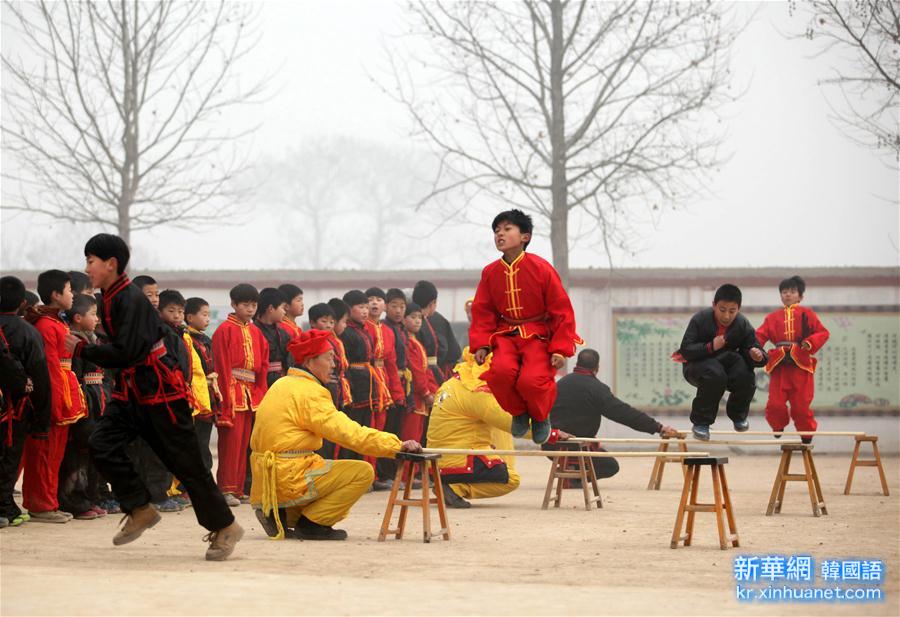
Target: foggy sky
[(795, 192)]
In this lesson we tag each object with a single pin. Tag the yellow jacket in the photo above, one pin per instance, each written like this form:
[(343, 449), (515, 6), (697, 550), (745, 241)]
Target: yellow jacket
[(294, 416), (199, 384)]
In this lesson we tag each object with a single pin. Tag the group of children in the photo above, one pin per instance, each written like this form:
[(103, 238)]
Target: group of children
[(109, 400)]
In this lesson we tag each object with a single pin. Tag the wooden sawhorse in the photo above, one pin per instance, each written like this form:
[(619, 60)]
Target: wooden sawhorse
[(810, 476), (406, 473), (584, 471), (721, 505), (875, 462)]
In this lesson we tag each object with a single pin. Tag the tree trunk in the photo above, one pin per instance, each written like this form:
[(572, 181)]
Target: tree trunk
[(559, 218)]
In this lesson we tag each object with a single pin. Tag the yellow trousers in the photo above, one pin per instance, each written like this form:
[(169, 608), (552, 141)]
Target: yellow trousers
[(483, 490), (338, 490), (503, 440)]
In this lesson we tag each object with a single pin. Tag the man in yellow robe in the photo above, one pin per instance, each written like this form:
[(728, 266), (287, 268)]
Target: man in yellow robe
[(466, 415), (292, 485)]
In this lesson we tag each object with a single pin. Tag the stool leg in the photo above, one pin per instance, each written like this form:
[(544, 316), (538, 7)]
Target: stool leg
[(679, 515), (426, 503), (884, 484), (408, 477), (695, 486), (682, 447), (729, 512), (563, 463), (787, 470), (442, 507), (807, 471), (389, 510), (656, 474), (853, 460), (770, 510), (593, 476), (815, 476), (554, 463), (717, 501), (584, 482)]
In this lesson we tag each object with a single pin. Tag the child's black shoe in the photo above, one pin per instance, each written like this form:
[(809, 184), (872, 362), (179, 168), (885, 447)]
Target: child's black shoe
[(520, 425)]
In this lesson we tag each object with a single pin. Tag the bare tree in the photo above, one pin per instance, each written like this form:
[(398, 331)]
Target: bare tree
[(115, 109), (344, 202), (869, 31), (565, 107)]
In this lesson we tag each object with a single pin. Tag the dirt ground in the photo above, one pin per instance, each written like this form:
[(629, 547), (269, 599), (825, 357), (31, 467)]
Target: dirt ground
[(506, 556)]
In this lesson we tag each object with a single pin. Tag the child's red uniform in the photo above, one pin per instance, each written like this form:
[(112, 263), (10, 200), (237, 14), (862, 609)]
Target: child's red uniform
[(42, 457), (790, 366), (241, 356), (423, 385), (522, 313)]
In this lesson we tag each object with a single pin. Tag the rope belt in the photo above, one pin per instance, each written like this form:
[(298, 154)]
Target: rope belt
[(93, 379), (432, 360), (270, 483), (66, 364), (275, 367)]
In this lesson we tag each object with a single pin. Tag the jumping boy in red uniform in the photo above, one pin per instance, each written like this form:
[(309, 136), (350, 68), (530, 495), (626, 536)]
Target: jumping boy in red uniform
[(522, 313), (797, 334)]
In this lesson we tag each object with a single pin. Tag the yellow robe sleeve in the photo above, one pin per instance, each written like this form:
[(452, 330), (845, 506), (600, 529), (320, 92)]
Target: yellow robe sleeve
[(322, 417), (199, 384)]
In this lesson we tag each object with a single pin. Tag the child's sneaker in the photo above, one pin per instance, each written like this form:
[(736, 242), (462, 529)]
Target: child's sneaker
[(52, 516), (87, 515), (742, 426), (100, 511), (540, 431), (167, 506), (24, 517), (520, 425), (232, 501), (182, 500), (4, 522), (111, 506), (807, 439), (701, 432)]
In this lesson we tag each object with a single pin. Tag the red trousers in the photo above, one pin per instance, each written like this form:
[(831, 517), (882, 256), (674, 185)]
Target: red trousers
[(790, 385), (41, 459), (521, 377), (413, 426), (233, 444)]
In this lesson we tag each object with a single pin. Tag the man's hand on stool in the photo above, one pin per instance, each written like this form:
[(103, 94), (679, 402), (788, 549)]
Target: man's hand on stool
[(411, 446), (563, 436), (557, 361), (667, 432)]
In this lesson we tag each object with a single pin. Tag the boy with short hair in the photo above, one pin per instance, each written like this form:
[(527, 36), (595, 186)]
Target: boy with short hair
[(43, 457), (294, 310), (81, 284), (270, 313), (79, 482), (341, 315), (196, 316), (719, 351), (149, 287), (242, 362), (24, 414), (150, 400), (435, 343), (523, 315), (423, 385), (797, 334)]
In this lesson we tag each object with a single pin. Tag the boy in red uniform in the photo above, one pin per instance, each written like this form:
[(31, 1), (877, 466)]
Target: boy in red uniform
[(43, 457), (797, 334), (150, 401), (423, 384), (294, 297), (242, 362), (522, 313)]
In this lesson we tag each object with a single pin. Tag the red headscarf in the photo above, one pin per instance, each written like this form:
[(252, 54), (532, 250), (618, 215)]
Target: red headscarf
[(309, 344)]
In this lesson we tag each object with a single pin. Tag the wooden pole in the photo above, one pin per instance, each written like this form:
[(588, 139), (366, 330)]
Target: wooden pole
[(713, 442), (791, 433), (557, 453)]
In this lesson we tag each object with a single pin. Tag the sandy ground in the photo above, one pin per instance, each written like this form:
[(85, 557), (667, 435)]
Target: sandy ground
[(506, 556)]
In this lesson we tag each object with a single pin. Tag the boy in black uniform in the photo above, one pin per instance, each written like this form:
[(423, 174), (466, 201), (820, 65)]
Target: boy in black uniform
[(270, 312), (23, 413), (719, 351), (150, 400)]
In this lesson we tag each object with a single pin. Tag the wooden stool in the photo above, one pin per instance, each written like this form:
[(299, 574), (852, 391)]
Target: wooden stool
[(721, 502), (406, 473), (583, 470), (659, 464), (783, 476), (876, 462)]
